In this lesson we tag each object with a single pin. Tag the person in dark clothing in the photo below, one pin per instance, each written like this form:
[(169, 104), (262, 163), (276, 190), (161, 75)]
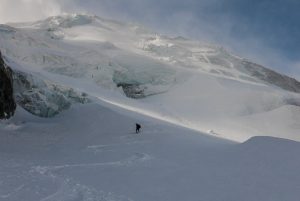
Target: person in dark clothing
[(137, 127)]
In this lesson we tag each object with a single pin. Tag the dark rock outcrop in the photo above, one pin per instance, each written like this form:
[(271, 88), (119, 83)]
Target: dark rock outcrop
[(7, 103)]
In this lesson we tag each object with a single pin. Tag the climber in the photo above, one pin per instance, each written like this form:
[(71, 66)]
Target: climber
[(137, 128)]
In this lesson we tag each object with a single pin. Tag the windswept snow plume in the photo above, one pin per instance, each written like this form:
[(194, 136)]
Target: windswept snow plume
[(186, 82), (195, 102), (28, 10)]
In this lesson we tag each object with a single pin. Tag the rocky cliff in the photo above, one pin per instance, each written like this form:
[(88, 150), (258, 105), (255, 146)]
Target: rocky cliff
[(7, 103)]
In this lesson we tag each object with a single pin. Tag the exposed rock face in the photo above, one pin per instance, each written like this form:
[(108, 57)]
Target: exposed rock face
[(7, 103)]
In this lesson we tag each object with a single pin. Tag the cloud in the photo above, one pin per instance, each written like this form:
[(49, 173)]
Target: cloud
[(28, 10)]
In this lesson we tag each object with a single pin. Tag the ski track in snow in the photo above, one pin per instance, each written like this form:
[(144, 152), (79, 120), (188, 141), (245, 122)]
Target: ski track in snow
[(136, 158), (43, 184), (68, 190), (14, 191), (111, 147)]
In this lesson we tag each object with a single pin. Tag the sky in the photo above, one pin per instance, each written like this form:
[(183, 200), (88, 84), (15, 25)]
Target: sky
[(265, 31)]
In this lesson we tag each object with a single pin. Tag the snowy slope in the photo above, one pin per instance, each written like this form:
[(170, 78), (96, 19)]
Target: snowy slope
[(188, 96), (186, 82), (90, 153)]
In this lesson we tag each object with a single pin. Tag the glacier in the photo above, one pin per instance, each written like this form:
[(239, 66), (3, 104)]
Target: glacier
[(191, 83), (214, 126)]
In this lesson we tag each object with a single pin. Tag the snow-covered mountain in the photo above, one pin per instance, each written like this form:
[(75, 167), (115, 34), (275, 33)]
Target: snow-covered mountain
[(95, 78), (186, 82)]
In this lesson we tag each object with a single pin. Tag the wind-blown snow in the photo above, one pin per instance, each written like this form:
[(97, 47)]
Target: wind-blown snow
[(197, 85), (191, 98)]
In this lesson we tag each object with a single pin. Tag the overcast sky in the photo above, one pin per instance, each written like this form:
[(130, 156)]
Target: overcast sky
[(266, 31)]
